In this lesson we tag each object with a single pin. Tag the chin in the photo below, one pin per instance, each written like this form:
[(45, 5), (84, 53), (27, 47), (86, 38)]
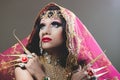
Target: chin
[(51, 46), (47, 47)]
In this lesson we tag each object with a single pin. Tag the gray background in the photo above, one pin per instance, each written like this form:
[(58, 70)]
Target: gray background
[(102, 18)]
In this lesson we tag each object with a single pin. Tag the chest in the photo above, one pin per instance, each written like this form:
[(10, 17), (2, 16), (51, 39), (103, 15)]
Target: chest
[(54, 71)]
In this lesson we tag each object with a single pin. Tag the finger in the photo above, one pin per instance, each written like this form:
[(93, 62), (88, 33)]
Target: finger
[(25, 49), (29, 63), (11, 61), (29, 56), (15, 55), (25, 58), (22, 65), (80, 68), (34, 55)]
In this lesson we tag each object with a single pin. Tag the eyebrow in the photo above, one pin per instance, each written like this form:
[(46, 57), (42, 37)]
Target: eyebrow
[(42, 24)]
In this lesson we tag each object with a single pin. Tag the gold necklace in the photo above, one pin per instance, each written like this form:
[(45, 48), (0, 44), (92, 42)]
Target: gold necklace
[(52, 68)]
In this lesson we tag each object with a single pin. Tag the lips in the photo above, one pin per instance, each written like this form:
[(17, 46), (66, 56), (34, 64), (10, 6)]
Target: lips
[(46, 39)]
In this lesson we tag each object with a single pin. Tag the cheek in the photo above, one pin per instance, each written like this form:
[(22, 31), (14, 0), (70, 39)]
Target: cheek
[(40, 34), (59, 35)]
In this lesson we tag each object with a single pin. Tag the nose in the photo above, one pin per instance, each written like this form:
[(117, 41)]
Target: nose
[(47, 30)]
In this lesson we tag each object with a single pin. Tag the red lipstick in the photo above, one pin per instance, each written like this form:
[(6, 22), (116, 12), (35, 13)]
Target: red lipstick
[(46, 39)]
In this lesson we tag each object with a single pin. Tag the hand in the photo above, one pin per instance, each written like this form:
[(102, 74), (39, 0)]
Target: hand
[(79, 74), (88, 73), (29, 66), (34, 67)]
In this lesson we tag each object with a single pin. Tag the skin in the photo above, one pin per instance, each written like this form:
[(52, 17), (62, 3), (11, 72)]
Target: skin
[(53, 47), (26, 74), (51, 29)]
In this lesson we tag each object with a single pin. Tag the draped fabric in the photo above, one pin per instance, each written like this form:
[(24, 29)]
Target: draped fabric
[(6, 69), (79, 42)]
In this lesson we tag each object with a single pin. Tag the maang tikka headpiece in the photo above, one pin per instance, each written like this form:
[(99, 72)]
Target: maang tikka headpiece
[(51, 14)]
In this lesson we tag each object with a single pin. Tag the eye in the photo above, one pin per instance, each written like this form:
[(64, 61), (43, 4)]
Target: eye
[(42, 26), (56, 24)]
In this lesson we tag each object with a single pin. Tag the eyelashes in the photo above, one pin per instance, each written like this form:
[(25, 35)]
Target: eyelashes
[(41, 25), (54, 24)]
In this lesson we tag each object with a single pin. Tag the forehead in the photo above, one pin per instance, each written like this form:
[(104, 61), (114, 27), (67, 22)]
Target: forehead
[(48, 20)]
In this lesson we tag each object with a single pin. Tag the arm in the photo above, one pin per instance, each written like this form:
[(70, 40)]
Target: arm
[(33, 69), (21, 74)]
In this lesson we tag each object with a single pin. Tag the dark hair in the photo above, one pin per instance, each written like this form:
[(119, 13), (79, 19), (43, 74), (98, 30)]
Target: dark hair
[(33, 43)]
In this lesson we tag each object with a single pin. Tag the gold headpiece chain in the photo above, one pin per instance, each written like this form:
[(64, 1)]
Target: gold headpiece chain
[(51, 14)]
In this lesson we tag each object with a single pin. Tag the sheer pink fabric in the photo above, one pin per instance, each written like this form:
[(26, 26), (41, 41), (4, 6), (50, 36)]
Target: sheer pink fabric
[(91, 50), (80, 42), (87, 47), (7, 72)]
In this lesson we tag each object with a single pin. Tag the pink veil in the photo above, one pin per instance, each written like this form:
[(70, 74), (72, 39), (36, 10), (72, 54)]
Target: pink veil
[(6, 69), (91, 49), (79, 41), (87, 47)]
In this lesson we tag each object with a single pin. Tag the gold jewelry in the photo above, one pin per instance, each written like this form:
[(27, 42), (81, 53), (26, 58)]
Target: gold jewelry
[(53, 70), (51, 14)]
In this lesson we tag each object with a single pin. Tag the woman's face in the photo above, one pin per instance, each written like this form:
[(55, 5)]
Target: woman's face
[(51, 33)]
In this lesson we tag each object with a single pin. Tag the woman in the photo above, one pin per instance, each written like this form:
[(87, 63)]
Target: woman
[(49, 35), (61, 48)]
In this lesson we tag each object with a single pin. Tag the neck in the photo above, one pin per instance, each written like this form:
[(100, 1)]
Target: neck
[(58, 53)]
